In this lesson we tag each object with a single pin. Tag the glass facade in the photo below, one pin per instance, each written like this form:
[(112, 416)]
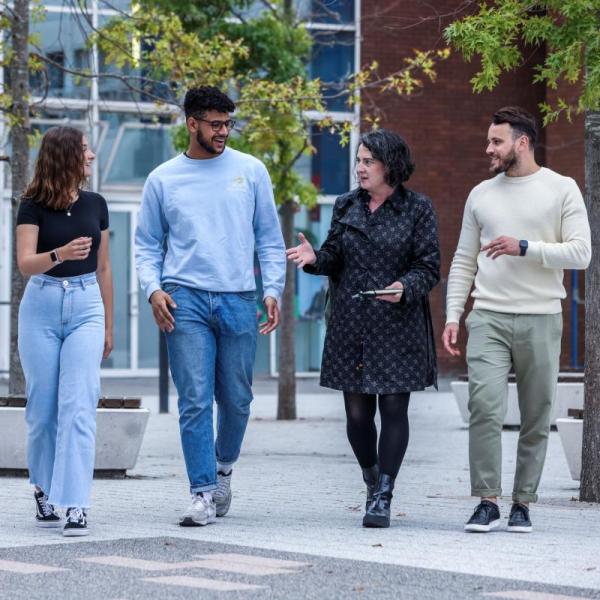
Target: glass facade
[(130, 142), (332, 62)]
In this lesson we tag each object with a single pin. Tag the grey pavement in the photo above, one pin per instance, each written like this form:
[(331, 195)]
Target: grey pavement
[(298, 495)]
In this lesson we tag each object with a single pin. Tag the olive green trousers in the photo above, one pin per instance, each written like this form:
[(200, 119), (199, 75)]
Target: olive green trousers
[(530, 344)]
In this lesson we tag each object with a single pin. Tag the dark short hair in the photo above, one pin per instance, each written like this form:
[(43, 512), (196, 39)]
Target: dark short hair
[(521, 121), (391, 149), (201, 99)]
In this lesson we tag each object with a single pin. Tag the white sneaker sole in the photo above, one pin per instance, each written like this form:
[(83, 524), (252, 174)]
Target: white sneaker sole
[(472, 528), (190, 522), (49, 524), (75, 532), (519, 529)]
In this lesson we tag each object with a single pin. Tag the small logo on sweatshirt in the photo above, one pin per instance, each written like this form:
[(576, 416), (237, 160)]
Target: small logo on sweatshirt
[(237, 183)]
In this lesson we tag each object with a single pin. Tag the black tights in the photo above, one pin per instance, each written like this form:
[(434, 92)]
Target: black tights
[(362, 432)]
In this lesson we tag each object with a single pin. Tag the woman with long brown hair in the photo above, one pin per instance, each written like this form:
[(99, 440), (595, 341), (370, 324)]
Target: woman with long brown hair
[(65, 324)]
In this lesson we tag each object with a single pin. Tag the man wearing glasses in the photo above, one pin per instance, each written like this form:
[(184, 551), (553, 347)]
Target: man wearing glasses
[(203, 215)]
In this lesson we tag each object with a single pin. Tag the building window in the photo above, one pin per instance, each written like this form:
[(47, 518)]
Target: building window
[(330, 163), (332, 11)]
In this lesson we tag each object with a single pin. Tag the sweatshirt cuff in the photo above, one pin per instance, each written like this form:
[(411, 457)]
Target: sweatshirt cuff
[(273, 293), (453, 316), (151, 288), (534, 252)]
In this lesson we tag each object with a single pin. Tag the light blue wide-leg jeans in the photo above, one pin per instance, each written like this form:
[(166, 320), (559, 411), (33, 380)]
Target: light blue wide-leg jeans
[(61, 340), (211, 354)]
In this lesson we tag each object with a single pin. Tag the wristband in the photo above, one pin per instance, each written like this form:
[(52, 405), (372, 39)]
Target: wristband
[(54, 256)]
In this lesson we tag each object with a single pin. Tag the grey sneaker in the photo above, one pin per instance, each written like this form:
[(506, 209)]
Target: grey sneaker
[(222, 494), (201, 511)]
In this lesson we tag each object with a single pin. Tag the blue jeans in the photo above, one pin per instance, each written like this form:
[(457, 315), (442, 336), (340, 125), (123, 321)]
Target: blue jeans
[(211, 352), (61, 340)]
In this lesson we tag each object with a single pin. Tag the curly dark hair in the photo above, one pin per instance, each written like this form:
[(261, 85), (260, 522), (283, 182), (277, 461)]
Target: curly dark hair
[(391, 149), (521, 121), (59, 169), (201, 99)]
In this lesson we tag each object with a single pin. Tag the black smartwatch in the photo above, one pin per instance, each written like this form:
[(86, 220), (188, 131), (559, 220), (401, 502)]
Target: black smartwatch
[(523, 245), (54, 257)]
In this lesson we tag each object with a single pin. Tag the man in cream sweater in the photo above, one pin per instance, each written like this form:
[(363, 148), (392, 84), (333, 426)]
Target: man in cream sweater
[(520, 230)]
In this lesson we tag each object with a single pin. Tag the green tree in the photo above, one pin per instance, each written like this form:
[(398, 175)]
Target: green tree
[(499, 33), (14, 104)]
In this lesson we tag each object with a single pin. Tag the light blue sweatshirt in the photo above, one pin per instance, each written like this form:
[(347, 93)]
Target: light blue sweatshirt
[(212, 214)]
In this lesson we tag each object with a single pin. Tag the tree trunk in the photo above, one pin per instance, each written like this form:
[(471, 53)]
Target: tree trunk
[(19, 162), (590, 463), (286, 404)]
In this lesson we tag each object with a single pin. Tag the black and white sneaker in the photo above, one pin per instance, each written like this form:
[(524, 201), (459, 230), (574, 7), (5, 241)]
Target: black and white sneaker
[(45, 515), (76, 524), (222, 495), (485, 517), (519, 521)]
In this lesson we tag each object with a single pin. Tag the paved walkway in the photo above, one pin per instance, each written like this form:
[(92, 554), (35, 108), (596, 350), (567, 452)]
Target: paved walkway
[(297, 489)]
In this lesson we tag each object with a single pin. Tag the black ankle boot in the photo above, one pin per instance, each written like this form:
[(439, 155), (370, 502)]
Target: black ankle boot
[(378, 510), (370, 477)]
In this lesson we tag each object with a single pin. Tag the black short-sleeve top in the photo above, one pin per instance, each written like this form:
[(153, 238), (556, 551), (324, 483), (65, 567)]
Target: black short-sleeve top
[(88, 218)]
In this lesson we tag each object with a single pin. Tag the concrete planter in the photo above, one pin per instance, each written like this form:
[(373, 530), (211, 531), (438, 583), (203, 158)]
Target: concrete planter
[(570, 431), (568, 395), (119, 434)]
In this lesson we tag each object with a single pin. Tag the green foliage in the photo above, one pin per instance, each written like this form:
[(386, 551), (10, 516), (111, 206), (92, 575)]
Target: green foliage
[(503, 32), (169, 52), (275, 47), (204, 18)]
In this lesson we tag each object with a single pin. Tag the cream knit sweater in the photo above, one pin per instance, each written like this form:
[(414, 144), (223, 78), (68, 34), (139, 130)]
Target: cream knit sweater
[(548, 211)]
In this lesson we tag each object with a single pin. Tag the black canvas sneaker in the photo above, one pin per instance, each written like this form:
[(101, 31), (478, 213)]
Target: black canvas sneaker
[(76, 524), (519, 521), (485, 518), (45, 515)]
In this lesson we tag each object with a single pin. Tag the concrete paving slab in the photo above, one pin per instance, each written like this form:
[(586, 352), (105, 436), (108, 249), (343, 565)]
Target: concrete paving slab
[(298, 489), (319, 577)]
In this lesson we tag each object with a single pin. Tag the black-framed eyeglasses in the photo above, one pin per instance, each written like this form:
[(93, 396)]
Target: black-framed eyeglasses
[(216, 125)]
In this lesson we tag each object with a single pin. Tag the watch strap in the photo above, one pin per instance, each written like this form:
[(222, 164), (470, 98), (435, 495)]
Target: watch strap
[(523, 245)]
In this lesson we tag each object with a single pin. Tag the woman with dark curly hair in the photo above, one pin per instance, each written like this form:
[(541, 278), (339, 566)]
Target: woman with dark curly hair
[(65, 324), (378, 348)]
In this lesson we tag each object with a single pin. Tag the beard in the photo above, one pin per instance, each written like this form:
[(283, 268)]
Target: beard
[(504, 164), (206, 144)]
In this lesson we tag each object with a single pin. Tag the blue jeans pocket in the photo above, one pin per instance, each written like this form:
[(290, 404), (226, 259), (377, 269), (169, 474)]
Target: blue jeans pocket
[(170, 288), (249, 296)]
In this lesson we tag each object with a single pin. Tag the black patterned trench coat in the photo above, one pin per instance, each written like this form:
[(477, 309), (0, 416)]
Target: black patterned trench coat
[(371, 346)]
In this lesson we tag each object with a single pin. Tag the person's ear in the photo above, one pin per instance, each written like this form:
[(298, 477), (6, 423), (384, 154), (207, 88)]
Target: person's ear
[(192, 124)]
